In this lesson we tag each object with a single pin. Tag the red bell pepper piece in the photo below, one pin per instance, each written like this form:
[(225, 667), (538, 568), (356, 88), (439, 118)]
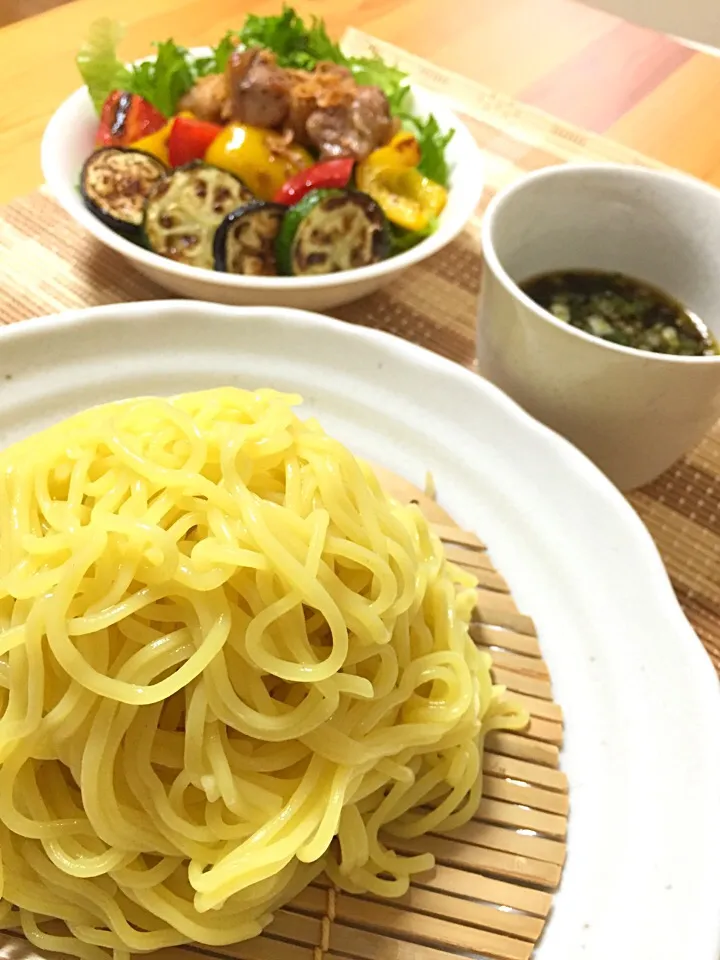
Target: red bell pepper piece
[(189, 139), (125, 118), (327, 173)]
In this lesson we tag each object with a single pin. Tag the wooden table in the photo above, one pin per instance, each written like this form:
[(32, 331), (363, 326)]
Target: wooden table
[(589, 69), (582, 65)]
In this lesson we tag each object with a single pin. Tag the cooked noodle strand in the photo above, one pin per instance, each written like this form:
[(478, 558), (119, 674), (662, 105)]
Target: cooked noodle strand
[(228, 662)]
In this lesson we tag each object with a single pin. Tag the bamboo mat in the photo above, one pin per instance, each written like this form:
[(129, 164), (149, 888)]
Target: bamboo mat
[(47, 264)]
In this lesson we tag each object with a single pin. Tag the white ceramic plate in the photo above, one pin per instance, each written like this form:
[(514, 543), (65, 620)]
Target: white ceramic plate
[(641, 699), (68, 141)]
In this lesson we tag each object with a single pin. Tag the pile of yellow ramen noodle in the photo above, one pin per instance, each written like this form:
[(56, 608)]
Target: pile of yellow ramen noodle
[(228, 662)]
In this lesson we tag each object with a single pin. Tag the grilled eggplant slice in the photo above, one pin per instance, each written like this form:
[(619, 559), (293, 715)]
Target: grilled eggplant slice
[(331, 230), (185, 209), (115, 183), (245, 240)]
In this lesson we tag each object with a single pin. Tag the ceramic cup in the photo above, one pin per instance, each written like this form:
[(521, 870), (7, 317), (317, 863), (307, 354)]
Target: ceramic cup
[(632, 412)]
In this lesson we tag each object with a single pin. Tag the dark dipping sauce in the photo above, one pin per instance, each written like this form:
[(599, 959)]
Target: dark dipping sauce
[(619, 309)]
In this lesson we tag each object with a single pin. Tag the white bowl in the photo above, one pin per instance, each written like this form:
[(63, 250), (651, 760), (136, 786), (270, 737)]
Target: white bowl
[(634, 413), (69, 138)]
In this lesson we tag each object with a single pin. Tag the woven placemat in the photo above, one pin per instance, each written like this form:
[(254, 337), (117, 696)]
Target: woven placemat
[(47, 264)]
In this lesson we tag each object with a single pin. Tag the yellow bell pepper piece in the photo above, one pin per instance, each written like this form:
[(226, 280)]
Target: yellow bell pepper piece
[(157, 143), (259, 157), (406, 197), (402, 151)]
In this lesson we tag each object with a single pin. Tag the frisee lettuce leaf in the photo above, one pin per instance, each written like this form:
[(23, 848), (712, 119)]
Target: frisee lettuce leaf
[(432, 142), (218, 59), (373, 71), (98, 62), (161, 80), (294, 43)]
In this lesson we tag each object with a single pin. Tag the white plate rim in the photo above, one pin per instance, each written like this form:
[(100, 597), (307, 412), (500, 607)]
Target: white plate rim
[(701, 937)]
